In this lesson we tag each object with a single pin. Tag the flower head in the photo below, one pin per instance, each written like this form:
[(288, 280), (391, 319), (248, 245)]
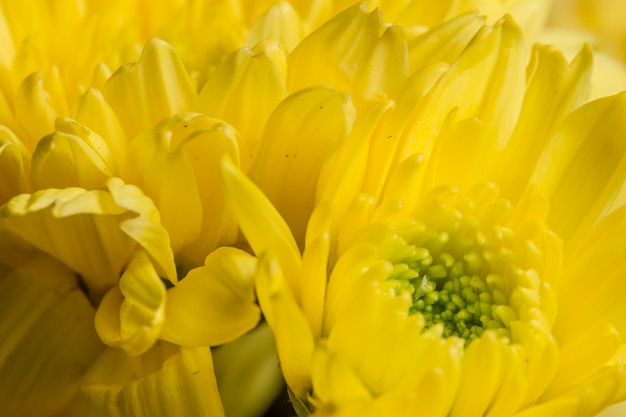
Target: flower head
[(400, 257), (442, 269)]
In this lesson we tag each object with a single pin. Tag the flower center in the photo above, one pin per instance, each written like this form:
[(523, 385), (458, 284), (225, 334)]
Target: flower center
[(463, 267)]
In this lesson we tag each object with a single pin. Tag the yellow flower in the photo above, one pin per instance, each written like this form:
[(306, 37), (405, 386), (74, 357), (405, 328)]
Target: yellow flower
[(459, 259), (98, 257), (115, 225)]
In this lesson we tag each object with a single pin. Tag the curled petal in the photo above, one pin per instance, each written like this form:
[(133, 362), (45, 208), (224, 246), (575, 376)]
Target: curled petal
[(131, 316), (215, 303)]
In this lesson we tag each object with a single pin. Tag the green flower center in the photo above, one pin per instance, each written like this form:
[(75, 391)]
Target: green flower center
[(450, 291), (463, 268)]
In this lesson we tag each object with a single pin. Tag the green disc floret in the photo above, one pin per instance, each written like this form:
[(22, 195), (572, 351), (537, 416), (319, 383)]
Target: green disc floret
[(443, 292)]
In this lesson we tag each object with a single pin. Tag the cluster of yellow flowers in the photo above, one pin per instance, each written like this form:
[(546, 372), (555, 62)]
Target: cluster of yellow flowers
[(419, 204)]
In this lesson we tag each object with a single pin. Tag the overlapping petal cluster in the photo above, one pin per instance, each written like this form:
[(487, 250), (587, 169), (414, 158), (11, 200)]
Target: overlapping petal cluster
[(420, 204)]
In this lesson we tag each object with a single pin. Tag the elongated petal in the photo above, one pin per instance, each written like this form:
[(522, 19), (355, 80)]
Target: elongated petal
[(261, 224), (34, 110), (444, 42), (73, 156), (493, 64), (11, 171), (342, 177), (177, 165), (352, 52), (589, 304), (91, 109), (164, 382), (243, 91), (280, 23), (48, 340), (569, 84), (155, 87), (215, 303), (466, 146), (334, 380), (584, 162), (294, 339), (301, 134), (581, 359)]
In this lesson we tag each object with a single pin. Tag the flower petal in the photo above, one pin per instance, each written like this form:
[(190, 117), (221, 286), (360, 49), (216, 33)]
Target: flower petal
[(177, 165), (261, 224), (47, 337), (350, 54), (584, 162), (294, 338), (93, 232), (444, 42), (34, 109), (281, 23), (493, 64), (155, 87), (164, 382), (243, 91), (91, 109), (335, 381), (73, 156), (215, 303), (568, 84), (11, 171), (132, 315), (301, 134)]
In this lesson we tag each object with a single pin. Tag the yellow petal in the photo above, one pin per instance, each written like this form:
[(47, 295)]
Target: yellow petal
[(481, 375), (48, 340), (177, 166), (11, 171), (581, 359), (92, 110), (342, 177), (301, 134), (34, 109), (155, 87), (145, 228), (376, 335), (294, 339), (243, 91), (512, 388), (466, 147), (584, 162), (164, 382), (334, 381), (73, 156), (131, 316), (215, 303), (352, 52), (588, 305), (540, 113), (93, 232), (444, 42), (261, 224), (486, 82), (314, 269), (280, 23), (565, 407)]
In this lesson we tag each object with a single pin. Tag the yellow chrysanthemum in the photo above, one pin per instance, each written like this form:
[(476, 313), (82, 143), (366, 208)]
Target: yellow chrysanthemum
[(115, 225), (446, 264)]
